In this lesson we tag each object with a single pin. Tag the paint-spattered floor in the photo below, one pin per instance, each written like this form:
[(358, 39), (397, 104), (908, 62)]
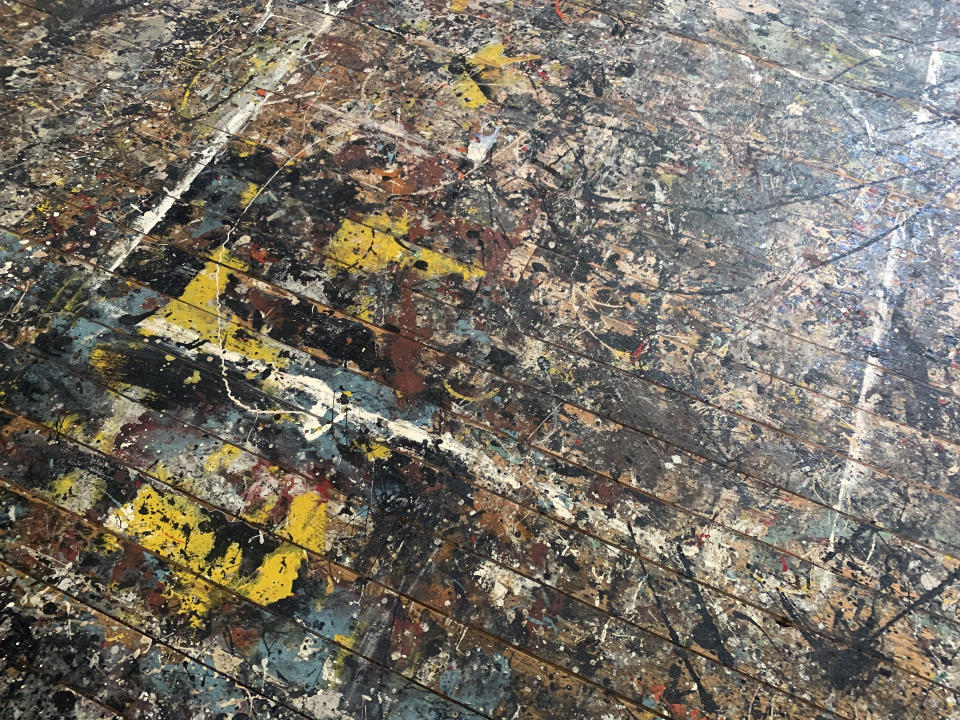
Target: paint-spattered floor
[(423, 359)]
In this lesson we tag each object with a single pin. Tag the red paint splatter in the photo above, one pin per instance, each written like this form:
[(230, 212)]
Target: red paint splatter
[(783, 564), (323, 488), (556, 6), (258, 254)]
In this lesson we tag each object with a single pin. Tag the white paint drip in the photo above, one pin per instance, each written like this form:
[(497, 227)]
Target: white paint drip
[(480, 146), (853, 471), (501, 582), (934, 73), (324, 410), (248, 104)]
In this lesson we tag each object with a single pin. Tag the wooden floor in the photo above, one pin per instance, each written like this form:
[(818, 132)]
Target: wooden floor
[(519, 359)]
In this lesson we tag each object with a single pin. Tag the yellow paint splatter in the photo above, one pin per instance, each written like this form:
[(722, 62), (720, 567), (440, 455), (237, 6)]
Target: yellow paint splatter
[(184, 103), (374, 450), (172, 526), (466, 398), (667, 179), (261, 513), (180, 530), (245, 148), (345, 640), (106, 361), (492, 56), (468, 92), (375, 243), (275, 577), (74, 425), (306, 522), (201, 294), (249, 194), (77, 490), (363, 306), (490, 64), (193, 598), (222, 458), (458, 5)]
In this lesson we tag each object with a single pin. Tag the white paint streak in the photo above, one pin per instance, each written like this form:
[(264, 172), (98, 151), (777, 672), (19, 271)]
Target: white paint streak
[(934, 73), (854, 471), (248, 104), (500, 583), (323, 410)]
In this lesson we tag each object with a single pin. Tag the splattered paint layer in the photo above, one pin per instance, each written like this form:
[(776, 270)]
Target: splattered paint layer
[(467, 359)]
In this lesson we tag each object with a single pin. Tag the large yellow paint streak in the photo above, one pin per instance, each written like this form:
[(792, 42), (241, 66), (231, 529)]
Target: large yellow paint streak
[(374, 244), (492, 56), (275, 577), (177, 529), (172, 526), (307, 521), (202, 294)]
